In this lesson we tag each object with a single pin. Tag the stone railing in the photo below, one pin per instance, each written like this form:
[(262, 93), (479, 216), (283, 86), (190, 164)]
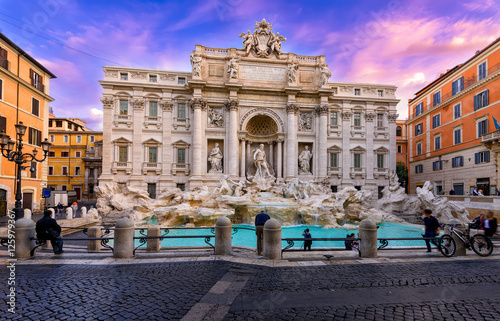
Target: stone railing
[(306, 59), (126, 166), (491, 136), (151, 167), (216, 52)]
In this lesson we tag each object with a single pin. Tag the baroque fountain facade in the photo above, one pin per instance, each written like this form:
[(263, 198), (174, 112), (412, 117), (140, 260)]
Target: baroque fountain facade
[(245, 130)]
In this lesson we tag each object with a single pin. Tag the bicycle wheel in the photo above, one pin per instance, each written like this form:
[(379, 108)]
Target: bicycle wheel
[(446, 245), (481, 245)]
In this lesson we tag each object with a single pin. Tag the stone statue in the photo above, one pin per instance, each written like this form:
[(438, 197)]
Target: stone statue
[(325, 74), (224, 187), (248, 41), (305, 121), (275, 42), (238, 187), (292, 73), (304, 161), (215, 118), (259, 157), (232, 68), (196, 64), (215, 159)]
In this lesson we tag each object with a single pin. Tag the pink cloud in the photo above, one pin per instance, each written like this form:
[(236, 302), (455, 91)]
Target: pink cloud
[(411, 52), (479, 5)]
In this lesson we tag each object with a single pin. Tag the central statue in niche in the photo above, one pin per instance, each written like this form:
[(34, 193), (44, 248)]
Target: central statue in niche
[(261, 173)]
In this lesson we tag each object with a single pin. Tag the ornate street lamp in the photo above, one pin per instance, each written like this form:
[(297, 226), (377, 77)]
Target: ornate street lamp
[(17, 156)]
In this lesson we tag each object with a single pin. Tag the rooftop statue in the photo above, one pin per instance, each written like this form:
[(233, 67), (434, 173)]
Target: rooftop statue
[(263, 42)]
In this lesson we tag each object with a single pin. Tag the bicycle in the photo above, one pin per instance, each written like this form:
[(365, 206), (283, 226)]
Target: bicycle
[(479, 243)]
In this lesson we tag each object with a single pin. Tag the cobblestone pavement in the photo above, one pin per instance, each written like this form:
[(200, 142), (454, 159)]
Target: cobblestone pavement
[(220, 290)]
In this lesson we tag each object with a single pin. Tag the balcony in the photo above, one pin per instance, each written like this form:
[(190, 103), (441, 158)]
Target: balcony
[(492, 141), (377, 172), (122, 166), (38, 85), (357, 172), (357, 130), (335, 171), (152, 121), (381, 131), (123, 119), (336, 129), (181, 122), (151, 167), (180, 168)]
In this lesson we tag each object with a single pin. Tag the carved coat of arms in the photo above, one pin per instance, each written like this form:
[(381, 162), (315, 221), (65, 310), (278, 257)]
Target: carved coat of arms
[(262, 42)]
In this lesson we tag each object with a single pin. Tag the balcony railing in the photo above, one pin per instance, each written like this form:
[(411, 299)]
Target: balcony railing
[(38, 85), (126, 166), (180, 167), (151, 167), (357, 171), (467, 83), (491, 136)]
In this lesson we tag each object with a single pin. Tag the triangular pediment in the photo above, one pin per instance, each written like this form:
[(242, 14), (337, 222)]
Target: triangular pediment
[(358, 149), (121, 140), (181, 143), (334, 148), (381, 149), (151, 141)]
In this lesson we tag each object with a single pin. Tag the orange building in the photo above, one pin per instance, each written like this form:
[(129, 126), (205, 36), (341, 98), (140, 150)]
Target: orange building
[(401, 142), (447, 121), (75, 157), (24, 97)]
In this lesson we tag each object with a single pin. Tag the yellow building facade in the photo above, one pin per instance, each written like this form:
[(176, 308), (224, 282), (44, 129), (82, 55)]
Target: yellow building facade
[(24, 97), (74, 157)]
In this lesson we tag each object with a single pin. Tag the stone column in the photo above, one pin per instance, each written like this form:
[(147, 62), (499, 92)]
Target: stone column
[(83, 211), (243, 157), (137, 147), (271, 154), (291, 144), (94, 232), (124, 238), (272, 240), (392, 142), (25, 232), (154, 245), (322, 154), (107, 146), (232, 107), (371, 162), (279, 166), (368, 239), (346, 152), (197, 104), (166, 146), (223, 232)]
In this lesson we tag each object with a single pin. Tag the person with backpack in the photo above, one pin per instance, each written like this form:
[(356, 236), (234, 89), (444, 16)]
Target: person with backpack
[(432, 228)]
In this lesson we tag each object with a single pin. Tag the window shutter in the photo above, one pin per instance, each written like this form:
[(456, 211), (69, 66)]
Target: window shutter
[(3, 124), (461, 162), (1, 87), (30, 136), (454, 87), (38, 138), (3, 53), (486, 99), (32, 73), (476, 102), (477, 158), (487, 156)]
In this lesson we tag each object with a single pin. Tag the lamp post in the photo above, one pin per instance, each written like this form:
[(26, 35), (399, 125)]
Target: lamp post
[(17, 156)]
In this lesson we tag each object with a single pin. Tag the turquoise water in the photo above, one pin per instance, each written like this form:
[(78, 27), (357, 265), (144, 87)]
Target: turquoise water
[(248, 238)]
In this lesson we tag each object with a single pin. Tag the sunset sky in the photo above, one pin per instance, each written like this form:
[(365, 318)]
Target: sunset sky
[(405, 43)]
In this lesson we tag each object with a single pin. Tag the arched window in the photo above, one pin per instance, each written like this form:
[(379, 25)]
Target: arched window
[(399, 131)]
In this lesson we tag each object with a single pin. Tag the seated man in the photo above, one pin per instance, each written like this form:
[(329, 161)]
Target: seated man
[(48, 229)]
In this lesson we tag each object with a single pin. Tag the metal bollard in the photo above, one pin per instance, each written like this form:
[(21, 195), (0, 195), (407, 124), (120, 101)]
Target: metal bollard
[(459, 248), (94, 245), (124, 238), (69, 213), (272, 240), (53, 213), (27, 213), (223, 235), (368, 241), (153, 245), (25, 232)]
